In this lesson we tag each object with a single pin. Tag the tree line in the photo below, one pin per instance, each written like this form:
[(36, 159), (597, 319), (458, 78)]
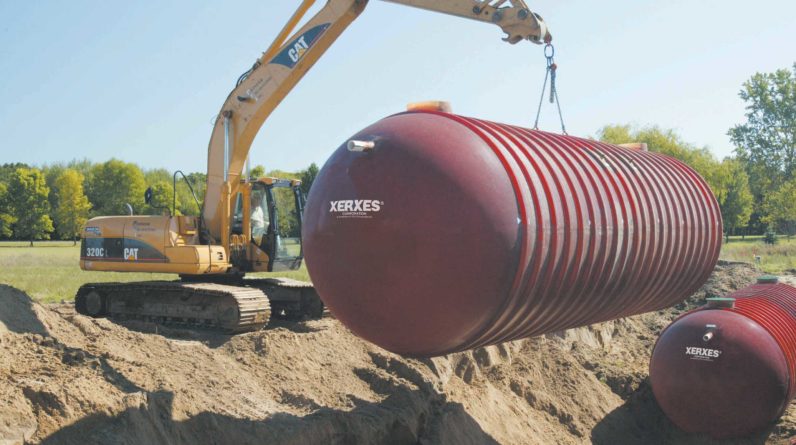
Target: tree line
[(755, 188), (55, 201)]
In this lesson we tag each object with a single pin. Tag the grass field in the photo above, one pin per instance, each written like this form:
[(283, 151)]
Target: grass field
[(777, 258), (49, 271)]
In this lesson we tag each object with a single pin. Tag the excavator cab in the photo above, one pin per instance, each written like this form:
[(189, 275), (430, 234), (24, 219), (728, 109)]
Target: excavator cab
[(282, 236), (270, 213)]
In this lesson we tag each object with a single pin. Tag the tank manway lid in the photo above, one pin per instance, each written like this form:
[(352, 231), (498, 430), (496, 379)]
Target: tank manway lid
[(720, 303), (767, 279)]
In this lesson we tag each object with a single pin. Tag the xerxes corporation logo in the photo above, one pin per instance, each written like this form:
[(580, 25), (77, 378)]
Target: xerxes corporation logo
[(355, 208), (704, 354)]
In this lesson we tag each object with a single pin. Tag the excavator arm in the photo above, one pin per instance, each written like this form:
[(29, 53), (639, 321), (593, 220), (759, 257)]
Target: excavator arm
[(514, 18), (212, 293), (260, 90)]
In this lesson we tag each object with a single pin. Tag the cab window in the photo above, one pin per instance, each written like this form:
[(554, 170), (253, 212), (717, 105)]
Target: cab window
[(259, 217)]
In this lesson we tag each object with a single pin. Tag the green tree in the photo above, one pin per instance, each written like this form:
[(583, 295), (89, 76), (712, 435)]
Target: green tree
[(185, 202), (616, 134), (72, 208), (156, 175), (731, 186), (307, 177), (82, 166), (162, 183), (766, 142), (161, 198), (27, 194), (258, 171), (199, 184), (53, 171), (159, 180), (7, 171), (780, 208), (113, 184), (6, 218), (51, 175)]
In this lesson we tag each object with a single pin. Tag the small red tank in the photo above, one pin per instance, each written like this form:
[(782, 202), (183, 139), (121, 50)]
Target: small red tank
[(428, 232), (727, 369)]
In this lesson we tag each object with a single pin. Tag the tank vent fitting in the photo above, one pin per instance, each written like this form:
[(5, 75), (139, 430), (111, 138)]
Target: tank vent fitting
[(640, 146), (709, 330), (721, 303), (361, 146), (768, 279)]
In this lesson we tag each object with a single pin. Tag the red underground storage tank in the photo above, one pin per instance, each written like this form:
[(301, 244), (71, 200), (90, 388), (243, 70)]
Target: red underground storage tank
[(728, 369), (428, 232)]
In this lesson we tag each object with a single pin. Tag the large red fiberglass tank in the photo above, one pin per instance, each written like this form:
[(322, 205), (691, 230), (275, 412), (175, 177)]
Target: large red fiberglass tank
[(428, 232), (729, 369)]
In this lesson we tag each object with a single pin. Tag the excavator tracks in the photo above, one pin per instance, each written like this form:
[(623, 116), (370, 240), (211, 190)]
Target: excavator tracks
[(232, 309), (290, 299)]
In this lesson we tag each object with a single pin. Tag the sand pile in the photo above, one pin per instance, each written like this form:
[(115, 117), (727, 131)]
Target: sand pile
[(65, 378)]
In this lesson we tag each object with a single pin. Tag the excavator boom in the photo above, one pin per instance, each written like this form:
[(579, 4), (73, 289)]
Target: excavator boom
[(241, 228), (260, 90)]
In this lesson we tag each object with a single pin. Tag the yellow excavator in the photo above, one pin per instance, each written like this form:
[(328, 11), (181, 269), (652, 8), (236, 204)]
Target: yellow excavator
[(239, 229)]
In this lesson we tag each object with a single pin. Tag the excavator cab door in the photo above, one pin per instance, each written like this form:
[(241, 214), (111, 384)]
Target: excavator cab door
[(282, 238)]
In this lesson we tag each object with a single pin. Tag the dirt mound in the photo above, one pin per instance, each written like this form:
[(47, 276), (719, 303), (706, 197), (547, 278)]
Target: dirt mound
[(65, 378), (17, 314)]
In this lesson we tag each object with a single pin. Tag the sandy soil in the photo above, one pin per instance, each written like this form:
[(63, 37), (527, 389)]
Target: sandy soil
[(65, 378)]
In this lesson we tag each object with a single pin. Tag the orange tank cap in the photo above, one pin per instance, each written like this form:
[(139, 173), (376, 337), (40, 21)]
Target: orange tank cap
[(430, 105)]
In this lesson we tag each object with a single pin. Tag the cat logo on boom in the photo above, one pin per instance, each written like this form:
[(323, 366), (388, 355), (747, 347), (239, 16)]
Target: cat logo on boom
[(295, 50), (299, 48)]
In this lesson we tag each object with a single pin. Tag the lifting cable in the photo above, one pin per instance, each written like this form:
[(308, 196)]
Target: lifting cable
[(550, 72)]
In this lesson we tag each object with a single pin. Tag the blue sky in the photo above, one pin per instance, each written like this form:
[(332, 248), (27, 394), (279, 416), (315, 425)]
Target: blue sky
[(141, 81)]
